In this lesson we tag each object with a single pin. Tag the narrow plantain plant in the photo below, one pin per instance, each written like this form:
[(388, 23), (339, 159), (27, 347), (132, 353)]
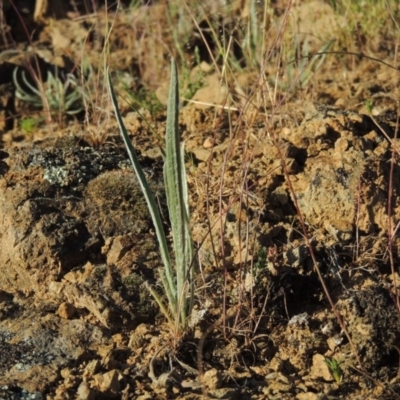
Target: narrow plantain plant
[(63, 96), (178, 281)]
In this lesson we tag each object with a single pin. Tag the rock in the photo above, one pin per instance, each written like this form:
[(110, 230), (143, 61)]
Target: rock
[(31, 377), (212, 379), (320, 369), (66, 310), (211, 94), (340, 168), (310, 396), (117, 247), (92, 367), (84, 392), (108, 383)]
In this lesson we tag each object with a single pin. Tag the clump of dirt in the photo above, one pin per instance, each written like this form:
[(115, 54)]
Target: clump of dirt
[(373, 323), (339, 185), (73, 217)]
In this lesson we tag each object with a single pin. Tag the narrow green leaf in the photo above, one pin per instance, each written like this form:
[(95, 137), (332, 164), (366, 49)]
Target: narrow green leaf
[(177, 196), (151, 203)]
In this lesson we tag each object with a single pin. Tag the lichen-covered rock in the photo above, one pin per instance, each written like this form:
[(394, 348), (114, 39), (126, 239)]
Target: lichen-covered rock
[(58, 206)]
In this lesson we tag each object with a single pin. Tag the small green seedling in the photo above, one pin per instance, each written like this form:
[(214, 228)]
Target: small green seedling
[(29, 124), (369, 105), (335, 369), (261, 263)]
